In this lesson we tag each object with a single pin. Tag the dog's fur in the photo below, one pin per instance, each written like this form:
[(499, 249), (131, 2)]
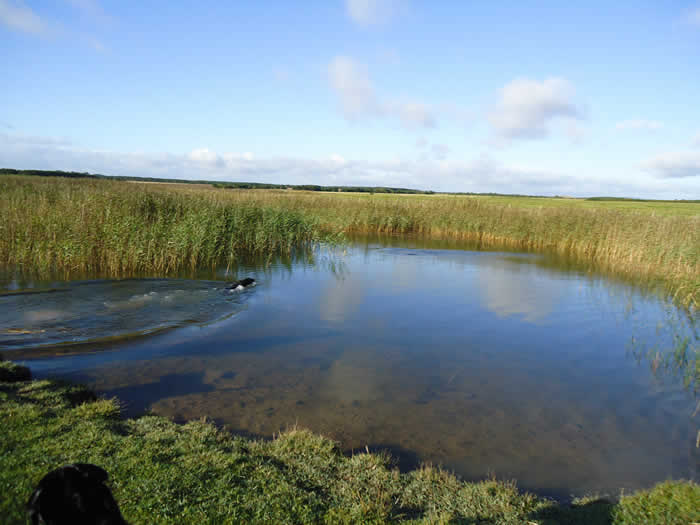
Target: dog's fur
[(76, 495), (243, 283)]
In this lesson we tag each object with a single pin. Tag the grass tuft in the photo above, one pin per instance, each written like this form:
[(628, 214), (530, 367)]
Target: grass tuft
[(11, 372), (161, 472)]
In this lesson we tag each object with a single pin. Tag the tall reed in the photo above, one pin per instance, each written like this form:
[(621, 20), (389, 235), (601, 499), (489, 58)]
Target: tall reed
[(118, 228), (123, 227), (658, 250)]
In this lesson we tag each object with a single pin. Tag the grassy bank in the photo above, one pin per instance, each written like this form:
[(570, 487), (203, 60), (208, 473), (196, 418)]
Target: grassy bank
[(161, 472), (126, 227)]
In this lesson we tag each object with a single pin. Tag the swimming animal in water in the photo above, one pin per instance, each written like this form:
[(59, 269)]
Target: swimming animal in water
[(74, 494), (242, 284)]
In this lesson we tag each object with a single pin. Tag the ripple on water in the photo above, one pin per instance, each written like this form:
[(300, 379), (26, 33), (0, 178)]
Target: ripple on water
[(92, 311)]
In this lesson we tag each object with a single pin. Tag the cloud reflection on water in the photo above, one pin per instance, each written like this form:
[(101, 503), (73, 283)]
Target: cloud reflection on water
[(508, 288)]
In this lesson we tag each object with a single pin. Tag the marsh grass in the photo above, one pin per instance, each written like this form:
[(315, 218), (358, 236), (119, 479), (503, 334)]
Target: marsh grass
[(125, 228), (116, 228), (161, 472)]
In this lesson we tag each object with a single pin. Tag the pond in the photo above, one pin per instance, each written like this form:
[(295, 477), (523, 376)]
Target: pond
[(512, 365)]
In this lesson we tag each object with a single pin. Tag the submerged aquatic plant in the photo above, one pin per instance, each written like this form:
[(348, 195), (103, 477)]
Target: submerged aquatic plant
[(676, 350)]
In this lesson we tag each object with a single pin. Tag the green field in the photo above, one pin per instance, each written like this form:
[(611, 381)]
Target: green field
[(670, 208), (161, 472), (117, 228)]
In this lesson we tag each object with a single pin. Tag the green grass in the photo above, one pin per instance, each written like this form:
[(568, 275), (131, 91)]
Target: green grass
[(124, 228), (161, 472)]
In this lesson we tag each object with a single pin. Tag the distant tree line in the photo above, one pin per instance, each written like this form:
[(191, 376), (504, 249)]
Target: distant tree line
[(316, 187), (629, 199), (86, 175), (302, 187), (216, 184)]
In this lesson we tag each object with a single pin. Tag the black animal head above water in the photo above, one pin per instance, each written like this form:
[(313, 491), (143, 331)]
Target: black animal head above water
[(74, 494), (243, 283)]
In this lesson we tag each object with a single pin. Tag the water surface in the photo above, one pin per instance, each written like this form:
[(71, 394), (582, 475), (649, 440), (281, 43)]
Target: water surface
[(488, 363)]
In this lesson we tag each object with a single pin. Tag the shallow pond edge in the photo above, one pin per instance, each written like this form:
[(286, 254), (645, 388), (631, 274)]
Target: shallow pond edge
[(164, 472)]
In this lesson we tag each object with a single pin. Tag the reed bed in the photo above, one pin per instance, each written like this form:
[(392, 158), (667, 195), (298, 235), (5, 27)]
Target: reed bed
[(658, 250), (116, 228), (122, 227)]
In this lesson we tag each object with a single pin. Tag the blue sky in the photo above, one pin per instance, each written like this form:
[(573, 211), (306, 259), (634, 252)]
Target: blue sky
[(513, 97)]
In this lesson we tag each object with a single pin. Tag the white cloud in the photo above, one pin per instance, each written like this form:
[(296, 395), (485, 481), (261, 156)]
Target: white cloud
[(482, 174), (96, 44), (372, 12), (672, 165), (358, 99), (351, 83), (89, 6), (19, 17), (528, 107), (440, 151), (411, 113), (389, 55), (639, 124), (338, 159), (693, 16), (281, 74), (28, 140), (205, 156)]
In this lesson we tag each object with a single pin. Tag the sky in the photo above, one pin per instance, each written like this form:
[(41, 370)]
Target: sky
[(543, 98)]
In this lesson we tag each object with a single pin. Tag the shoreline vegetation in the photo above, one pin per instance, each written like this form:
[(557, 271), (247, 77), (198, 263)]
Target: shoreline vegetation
[(162, 472), (306, 187), (72, 225)]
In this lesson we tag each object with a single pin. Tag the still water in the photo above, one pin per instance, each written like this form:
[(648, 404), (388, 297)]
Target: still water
[(489, 363)]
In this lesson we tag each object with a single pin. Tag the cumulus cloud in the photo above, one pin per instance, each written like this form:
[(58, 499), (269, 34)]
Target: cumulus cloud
[(19, 17), (358, 98), (639, 125), (527, 107), (674, 165), (338, 159), (351, 82), (372, 12), (204, 155), (481, 174)]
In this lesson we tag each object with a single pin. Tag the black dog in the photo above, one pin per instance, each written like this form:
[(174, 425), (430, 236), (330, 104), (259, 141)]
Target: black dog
[(76, 495), (243, 283)]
